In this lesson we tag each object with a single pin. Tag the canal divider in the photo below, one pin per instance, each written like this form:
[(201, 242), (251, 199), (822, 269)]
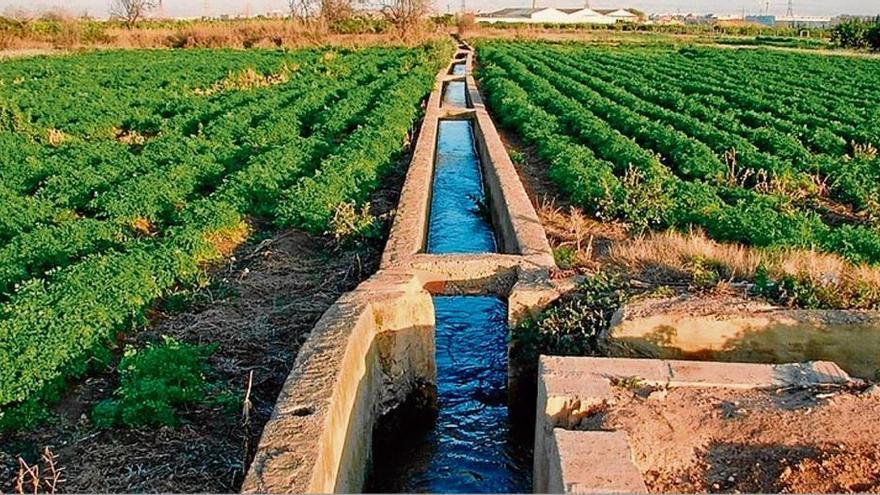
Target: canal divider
[(374, 349)]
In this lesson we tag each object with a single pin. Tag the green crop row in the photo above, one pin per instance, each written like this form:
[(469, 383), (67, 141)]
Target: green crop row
[(615, 161), (75, 278)]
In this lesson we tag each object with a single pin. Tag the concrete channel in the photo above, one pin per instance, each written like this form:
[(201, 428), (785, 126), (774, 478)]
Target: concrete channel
[(373, 352)]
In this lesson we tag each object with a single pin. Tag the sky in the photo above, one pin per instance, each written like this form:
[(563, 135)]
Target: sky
[(194, 8)]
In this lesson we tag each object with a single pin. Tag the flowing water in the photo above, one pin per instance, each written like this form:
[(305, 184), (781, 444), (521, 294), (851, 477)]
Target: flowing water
[(454, 94), (459, 221), (472, 445), (458, 69)]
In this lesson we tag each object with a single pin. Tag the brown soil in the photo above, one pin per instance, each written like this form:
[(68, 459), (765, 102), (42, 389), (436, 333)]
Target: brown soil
[(689, 440), (259, 308)]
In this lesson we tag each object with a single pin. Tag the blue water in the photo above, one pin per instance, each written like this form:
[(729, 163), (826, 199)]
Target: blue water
[(456, 224), (472, 446), (458, 69), (454, 94)]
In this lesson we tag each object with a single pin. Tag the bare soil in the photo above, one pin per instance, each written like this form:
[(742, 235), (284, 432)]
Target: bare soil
[(690, 440), (259, 308)]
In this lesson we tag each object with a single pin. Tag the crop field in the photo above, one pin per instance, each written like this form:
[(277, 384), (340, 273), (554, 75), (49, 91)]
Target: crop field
[(123, 175), (765, 148)]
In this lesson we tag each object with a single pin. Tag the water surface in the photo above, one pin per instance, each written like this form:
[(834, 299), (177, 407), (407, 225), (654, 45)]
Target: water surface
[(459, 220), (454, 94), (472, 445)]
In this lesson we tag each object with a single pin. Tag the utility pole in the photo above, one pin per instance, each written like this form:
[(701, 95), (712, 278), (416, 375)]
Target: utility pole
[(790, 11)]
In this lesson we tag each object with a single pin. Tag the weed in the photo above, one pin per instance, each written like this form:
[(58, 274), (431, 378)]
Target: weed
[(628, 382), (516, 156), (352, 224), (574, 326), (31, 480), (564, 257)]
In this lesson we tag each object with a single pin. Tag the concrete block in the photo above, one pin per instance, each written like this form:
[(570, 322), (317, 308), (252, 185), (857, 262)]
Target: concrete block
[(593, 462)]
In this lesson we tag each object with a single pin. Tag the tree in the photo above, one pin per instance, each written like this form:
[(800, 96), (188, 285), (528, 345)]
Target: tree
[(328, 11), (872, 37), (405, 14), (20, 16), (850, 34), (131, 11)]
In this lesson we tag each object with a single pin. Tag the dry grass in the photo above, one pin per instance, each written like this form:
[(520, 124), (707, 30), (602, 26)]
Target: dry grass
[(247, 33), (248, 79), (31, 480), (673, 257)]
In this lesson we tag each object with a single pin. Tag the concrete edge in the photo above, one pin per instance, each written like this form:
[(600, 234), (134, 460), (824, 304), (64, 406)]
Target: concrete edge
[(521, 227), (571, 389)]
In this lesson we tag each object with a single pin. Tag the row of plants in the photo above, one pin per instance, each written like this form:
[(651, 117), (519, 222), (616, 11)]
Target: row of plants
[(757, 146), (621, 178), (143, 204), (58, 324)]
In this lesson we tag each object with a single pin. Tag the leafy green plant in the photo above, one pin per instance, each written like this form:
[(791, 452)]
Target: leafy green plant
[(574, 325), (516, 156), (564, 257), (155, 383), (153, 182)]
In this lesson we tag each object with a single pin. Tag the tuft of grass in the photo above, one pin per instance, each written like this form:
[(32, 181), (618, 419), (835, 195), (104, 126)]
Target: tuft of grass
[(628, 382), (791, 277)]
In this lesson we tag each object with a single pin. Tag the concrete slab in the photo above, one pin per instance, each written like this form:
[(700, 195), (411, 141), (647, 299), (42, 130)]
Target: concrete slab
[(593, 462), (734, 328)]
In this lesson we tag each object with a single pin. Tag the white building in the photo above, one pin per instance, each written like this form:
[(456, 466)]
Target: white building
[(552, 15), (619, 14), (534, 15), (588, 16)]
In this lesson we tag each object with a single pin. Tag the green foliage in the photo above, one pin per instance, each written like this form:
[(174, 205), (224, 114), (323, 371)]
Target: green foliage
[(121, 193), (872, 37), (154, 383), (516, 156), (574, 325), (564, 257), (803, 291), (719, 139), (350, 223), (850, 34)]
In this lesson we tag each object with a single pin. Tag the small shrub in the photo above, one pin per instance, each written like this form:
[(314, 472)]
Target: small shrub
[(564, 257), (516, 156), (154, 383), (572, 327), (349, 223)]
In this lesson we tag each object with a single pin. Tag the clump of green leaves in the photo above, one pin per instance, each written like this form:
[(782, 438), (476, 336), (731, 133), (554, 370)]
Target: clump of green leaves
[(155, 382), (516, 156), (574, 325), (564, 257)]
